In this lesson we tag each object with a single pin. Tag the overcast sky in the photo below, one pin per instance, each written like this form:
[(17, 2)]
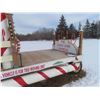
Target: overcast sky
[(30, 22)]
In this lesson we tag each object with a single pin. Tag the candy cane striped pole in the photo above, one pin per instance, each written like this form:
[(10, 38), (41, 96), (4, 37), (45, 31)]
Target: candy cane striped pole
[(5, 45), (25, 80)]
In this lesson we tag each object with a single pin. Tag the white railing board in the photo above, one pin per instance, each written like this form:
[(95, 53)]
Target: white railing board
[(5, 44), (6, 58), (33, 68)]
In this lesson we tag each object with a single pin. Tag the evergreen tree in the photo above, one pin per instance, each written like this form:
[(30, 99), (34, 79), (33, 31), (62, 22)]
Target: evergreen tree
[(61, 28), (93, 30), (79, 27), (71, 27), (87, 30), (73, 33), (98, 29)]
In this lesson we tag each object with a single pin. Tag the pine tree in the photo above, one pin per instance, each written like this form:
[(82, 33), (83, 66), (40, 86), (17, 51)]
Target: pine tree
[(71, 27), (87, 30), (73, 33), (79, 27), (98, 29), (61, 28), (93, 30)]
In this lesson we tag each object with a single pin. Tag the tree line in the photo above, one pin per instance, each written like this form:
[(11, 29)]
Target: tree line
[(91, 30), (40, 34)]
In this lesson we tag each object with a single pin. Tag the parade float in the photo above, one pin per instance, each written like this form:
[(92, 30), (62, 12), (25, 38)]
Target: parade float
[(25, 68)]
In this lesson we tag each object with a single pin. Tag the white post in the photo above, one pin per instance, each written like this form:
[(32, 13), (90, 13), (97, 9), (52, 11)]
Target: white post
[(5, 45)]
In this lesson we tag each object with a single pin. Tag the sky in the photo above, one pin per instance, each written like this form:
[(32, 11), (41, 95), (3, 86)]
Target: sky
[(30, 22)]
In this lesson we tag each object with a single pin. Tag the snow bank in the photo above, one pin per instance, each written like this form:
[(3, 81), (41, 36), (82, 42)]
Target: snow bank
[(90, 64)]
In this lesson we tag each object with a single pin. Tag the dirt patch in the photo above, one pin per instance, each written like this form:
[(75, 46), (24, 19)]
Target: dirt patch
[(60, 80)]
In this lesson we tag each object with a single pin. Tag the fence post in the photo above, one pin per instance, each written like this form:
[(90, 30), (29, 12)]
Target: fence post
[(80, 42)]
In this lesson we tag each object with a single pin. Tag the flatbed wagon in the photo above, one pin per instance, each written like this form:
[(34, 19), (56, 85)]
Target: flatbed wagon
[(24, 68)]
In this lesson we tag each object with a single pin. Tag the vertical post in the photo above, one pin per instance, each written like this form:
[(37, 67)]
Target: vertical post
[(66, 34), (54, 38), (14, 41), (6, 60), (80, 42)]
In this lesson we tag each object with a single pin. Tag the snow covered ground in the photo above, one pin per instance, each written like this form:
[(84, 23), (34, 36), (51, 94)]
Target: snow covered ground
[(35, 45), (90, 64), (91, 59)]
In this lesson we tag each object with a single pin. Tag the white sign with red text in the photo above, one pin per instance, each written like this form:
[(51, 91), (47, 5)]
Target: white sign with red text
[(20, 71), (66, 46)]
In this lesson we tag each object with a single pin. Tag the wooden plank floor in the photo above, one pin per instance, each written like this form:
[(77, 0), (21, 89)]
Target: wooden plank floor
[(35, 57)]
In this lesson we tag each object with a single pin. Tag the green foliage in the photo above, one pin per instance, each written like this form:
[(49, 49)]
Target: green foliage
[(65, 32), (91, 30), (62, 27)]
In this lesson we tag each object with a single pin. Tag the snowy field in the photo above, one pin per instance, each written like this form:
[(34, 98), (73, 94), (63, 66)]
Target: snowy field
[(35, 45), (90, 60)]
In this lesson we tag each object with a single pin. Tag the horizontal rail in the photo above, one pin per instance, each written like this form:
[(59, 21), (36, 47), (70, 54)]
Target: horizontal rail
[(6, 58), (5, 44), (37, 67)]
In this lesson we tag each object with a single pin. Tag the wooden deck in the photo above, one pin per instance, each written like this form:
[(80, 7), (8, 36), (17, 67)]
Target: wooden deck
[(36, 57)]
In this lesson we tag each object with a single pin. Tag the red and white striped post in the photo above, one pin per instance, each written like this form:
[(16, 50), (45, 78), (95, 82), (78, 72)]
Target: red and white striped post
[(5, 44)]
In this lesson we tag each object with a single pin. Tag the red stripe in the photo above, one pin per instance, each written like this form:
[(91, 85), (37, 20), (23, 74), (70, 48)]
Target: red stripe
[(61, 70), (3, 49), (3, 16), (3, 34), (75, 67), (44, 75), (20, 81)]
